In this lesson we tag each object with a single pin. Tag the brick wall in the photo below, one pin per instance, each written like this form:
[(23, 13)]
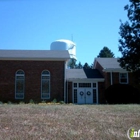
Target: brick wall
[(33, 70), (100, 68), (115, 78), (107, 79)]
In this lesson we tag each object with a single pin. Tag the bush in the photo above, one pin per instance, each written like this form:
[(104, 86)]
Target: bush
[(21, 102), (31, 101), (122, 94), (9, 102), (62, 102), (1, 102), (43, 101), (54, 101)]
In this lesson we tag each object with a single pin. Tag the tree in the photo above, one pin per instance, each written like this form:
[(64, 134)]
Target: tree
[(79, 66), (106, 52), (129, 44), (86, 66), (72, 63)]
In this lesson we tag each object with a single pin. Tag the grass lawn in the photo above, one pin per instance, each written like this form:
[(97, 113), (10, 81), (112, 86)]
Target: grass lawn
[(67, 122)]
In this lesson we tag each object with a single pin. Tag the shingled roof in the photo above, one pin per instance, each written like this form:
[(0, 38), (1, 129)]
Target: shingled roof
[(92, 73), (108, 64), (33, 55), (82, 73)]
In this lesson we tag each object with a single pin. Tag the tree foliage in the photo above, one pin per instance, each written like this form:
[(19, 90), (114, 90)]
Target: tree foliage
[(105, 52), (86, 66), (79, 66), (72, 63), (129, 44)]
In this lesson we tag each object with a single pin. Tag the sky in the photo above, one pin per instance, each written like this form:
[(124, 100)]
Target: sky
[(35, 24)]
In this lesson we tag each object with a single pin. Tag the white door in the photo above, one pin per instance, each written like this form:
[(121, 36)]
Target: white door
[(85, 96), (89, 96), (81, 96)]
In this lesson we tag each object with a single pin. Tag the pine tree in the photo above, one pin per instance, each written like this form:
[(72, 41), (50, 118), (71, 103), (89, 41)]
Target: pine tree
[(79, 66), (106, 52), (86, 66)]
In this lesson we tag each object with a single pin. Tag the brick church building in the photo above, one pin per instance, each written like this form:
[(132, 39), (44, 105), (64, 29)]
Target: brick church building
[(42, 75)]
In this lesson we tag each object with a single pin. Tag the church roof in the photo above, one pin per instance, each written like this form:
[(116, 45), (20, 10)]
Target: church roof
[(109, 64), (83, 74), (34, 55)]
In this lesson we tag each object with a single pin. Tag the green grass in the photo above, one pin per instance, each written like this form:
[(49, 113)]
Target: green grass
[(67, 122)]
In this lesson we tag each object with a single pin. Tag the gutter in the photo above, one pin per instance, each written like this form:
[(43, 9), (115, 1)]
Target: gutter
[(86, 79), (34, 58), (114, 70)]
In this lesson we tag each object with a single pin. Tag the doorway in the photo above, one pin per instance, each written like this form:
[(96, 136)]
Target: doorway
[(85, 96)]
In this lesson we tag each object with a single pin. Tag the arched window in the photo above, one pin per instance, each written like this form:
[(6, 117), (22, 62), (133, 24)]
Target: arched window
[(19, 84), (45, 84)]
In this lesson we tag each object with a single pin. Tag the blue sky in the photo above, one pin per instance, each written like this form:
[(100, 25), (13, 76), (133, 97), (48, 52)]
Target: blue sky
[(35, 24)]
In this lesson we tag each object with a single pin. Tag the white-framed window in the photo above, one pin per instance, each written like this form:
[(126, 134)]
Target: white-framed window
[(19, 84), (45, 84), (84, 84), (123, 78)]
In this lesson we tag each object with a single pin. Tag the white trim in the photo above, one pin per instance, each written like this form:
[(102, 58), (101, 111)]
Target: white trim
[(114, 70), (47, 80), (85, 80)]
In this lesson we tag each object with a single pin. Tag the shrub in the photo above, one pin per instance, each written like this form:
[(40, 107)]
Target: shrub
[(43, 101), (31, 101), (122, 94), (21, 102), (9, 102), (1, 102), (62, 102), (54, 101)]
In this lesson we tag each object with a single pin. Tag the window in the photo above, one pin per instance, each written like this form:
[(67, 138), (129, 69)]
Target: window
[(75, 95), (94, 85), (75, 85), (123, 78), (84, 84), (19, 84), (45, 85)]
